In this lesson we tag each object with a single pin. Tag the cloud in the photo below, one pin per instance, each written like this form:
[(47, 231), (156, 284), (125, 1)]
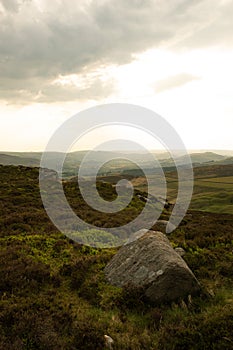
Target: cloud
[(174, 82), (10, 5), (92, 89), (40, 39), (42, 90), (216, 30)]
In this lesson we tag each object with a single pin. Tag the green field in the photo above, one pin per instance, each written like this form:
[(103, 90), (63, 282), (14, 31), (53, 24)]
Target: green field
[(226, 179), (211, 193)]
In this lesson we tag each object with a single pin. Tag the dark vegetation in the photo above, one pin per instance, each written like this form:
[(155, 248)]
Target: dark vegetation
[(53, 294), (107, 192)]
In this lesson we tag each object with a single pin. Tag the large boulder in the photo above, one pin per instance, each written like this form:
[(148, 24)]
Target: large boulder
[(150, 263)]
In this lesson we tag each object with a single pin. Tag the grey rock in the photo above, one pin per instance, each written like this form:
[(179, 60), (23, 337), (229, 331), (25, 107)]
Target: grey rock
[(135, 235), (151, 263), (48, 174), (180, 251)]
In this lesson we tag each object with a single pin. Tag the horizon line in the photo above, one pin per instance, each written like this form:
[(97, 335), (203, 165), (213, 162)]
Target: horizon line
[(120, 151)]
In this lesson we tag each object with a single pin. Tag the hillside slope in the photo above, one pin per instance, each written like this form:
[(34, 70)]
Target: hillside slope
[(53, 294)]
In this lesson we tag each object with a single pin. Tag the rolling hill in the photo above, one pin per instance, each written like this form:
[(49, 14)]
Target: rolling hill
[(118, 164)]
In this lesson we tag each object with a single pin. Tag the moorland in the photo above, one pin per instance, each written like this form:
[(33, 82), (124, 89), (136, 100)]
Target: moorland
[(53, 292)]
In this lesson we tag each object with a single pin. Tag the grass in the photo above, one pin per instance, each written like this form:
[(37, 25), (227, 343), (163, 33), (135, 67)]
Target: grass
[(212, 193), (53, 294), (227, 179)]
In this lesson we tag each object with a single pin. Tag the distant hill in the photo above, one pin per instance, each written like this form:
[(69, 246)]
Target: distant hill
[(34, 155), (206, 157), (124, 162), (228, 160), (6, 159), (196, 158), (214, 170)]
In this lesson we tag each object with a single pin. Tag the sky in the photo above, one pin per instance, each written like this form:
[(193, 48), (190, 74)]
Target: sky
[(60, 57)]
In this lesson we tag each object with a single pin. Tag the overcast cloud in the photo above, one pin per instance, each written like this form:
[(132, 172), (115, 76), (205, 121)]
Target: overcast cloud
[(174, 82), (41, 40)]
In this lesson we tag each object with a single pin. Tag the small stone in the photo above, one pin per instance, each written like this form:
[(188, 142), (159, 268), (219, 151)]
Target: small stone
[(180, 251), (108, 341)]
